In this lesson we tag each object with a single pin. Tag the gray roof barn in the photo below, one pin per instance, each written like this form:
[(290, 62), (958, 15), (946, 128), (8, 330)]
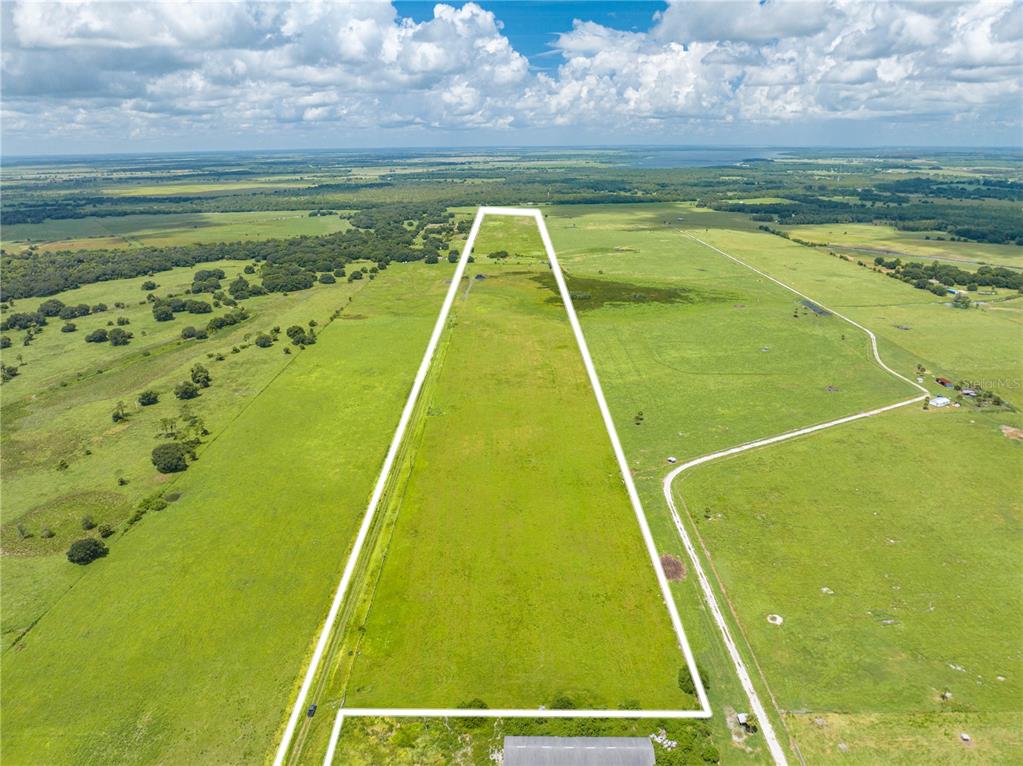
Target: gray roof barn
[(578, 751)]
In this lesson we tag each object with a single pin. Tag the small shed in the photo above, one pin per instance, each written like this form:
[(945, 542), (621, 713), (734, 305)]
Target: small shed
[(940, 401), (578, 751)]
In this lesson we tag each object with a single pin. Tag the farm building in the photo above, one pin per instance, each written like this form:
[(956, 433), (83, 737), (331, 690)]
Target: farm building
[(940, 401), (944, 382), (578, 751)]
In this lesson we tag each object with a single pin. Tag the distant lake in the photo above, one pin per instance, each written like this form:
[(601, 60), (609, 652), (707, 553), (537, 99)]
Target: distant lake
[(696, 156)]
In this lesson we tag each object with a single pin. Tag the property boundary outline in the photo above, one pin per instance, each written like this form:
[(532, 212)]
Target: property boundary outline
[(704, 710)]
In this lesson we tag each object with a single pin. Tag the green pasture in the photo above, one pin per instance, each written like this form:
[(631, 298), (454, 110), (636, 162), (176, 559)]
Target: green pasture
[(143, 189), (515, 571), (100, 232), (913, 589), (878, 239), (184, 644), (913, 326)]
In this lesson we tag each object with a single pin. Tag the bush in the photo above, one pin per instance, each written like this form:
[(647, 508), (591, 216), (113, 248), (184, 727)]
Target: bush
[(170, 458), (264, 341), (149, 285), (162, 312), (119, 337), (97, 336), (88, 523), (201, 376), (105, 530), (431, 258), (148, 397), (198, 307), (186, 390), (47, 533), (327, 279), (187, 333), (69, 327), (50, 308), (122, 321), (86, 551)]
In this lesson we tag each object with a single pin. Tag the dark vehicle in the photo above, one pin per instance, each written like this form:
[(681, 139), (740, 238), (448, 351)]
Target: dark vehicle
[(311, 711)]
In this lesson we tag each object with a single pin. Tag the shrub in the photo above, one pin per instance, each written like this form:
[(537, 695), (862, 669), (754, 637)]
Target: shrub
[(105, 530), (562, 702), (264, 341), (148, 397), (47, 533), (162, 312), (69, 327), (186, 390), (88, 523), (122, 321), (119, 337), (86, 551), (201, 376), (149, 285), (187, 333), (5, 342), (97, 336), (198, 307), (170, 458), (50, 308), (431, 258), (327, 279)]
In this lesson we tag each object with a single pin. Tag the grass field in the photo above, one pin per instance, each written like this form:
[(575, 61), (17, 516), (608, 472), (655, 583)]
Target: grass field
[(981, 345), (192, 631), (913, 589), (93, 233), (515, 569), (871, 240), (64, 458)]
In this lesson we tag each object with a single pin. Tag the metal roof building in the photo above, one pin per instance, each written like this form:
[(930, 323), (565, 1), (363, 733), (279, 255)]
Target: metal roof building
[(578, 751)]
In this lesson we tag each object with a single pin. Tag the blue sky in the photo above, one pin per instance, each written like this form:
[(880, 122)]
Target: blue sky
[(532, 26), (172, 76)]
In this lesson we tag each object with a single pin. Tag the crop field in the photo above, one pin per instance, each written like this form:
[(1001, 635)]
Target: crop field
[(203, 612), (870, 240), (515, 568), (167, 229)]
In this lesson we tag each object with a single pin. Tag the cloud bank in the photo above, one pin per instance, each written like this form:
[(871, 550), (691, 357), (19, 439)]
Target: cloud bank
[(352, 71)]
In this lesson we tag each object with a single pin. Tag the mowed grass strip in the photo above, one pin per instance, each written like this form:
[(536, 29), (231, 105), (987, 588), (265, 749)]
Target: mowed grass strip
[(516, 572), (185, 643)]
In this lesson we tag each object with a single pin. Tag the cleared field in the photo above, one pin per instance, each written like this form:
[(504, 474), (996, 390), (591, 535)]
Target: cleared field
[(914, 327), (515, 572), (211, 187), (101, 232), (182, 646), (874, 240), (913, 588)]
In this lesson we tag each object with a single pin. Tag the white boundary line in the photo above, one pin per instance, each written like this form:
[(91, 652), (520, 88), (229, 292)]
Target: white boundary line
[(777, 752), (406, 415)]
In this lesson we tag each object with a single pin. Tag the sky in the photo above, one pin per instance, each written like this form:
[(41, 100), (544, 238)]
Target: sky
[(83, 77)]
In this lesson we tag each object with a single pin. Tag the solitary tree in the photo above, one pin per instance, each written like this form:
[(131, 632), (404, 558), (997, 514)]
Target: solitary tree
[(148, 397), (169, 458), (186, 390), (201, 376), (86, 551)]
